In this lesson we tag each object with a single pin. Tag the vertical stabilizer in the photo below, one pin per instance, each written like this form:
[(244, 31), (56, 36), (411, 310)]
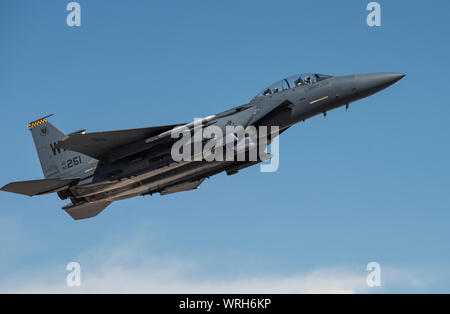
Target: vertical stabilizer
[(58, 162)]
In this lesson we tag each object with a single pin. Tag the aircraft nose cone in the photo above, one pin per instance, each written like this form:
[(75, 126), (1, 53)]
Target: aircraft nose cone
[(369, 84)]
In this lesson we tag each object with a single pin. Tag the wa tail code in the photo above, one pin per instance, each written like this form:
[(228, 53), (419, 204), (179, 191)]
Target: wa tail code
[(55, 149)]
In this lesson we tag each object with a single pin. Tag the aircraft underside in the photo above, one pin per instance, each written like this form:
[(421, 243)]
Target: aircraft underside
[(177, 177)]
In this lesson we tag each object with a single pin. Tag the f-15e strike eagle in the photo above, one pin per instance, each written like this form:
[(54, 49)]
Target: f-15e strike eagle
[(95, 169)]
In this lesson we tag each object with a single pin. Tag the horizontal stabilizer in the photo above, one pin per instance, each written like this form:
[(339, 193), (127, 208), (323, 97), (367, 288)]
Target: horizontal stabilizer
[(38, 187), (99, 144), (86, 210)]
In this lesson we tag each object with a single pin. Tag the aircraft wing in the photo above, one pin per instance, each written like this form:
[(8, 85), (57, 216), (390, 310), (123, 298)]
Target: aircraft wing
[(114, 145), (38, 187), (100, 144)]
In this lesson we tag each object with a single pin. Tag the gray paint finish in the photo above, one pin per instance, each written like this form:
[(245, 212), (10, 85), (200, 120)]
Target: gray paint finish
[(95, 169)]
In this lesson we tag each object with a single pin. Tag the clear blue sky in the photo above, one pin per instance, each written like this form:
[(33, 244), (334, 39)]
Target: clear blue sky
[(366, 185)]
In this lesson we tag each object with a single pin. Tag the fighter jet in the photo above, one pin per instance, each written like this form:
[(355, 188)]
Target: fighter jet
[(95, 169)]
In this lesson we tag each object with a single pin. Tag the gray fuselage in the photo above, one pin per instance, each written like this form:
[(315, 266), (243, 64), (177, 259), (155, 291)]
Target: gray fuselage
[(152, 170)]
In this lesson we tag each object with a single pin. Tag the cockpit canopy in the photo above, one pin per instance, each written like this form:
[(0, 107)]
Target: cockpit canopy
[(293, 81)]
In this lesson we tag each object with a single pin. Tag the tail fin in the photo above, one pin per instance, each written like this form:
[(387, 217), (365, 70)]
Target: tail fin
[(56, 162)]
